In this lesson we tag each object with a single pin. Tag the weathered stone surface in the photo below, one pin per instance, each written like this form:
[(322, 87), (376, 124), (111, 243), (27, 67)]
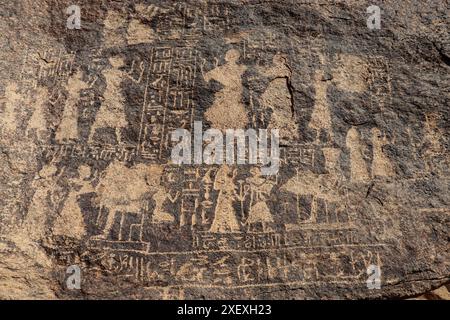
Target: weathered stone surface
[(85, 170)]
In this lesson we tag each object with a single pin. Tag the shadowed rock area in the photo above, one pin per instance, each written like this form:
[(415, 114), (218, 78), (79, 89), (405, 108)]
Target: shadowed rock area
[(93, 204)]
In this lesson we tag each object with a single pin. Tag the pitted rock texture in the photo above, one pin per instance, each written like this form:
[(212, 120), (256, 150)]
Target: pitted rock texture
[(358, 208)]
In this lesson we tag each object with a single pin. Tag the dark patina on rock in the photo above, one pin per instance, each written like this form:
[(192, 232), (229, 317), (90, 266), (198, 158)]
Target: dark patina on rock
[(359, 207)]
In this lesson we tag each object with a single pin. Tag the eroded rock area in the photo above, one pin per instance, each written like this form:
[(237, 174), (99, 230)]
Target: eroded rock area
[(359, 207)]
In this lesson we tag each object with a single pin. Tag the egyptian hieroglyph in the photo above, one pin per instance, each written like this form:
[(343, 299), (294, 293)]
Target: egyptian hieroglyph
[(87, 179)]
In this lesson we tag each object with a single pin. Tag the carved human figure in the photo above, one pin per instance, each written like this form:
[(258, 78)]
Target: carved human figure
[(207, 203), (381, 165), (331, 156), (321, 117), (138, 32), (112, 32), (42, 207), (225, 219), (112, 111), (228, 111), (358, 167), (12, 101), (351, 73), (68, 128), (277, 98), (159, 214), (333, 181), (70, 222), (260, 189), (37, 122)]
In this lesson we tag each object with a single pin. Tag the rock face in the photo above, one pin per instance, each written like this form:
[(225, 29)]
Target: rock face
[(93, 204)]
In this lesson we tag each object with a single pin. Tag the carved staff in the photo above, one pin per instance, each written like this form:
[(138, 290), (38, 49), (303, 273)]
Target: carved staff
[(242, 197)]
